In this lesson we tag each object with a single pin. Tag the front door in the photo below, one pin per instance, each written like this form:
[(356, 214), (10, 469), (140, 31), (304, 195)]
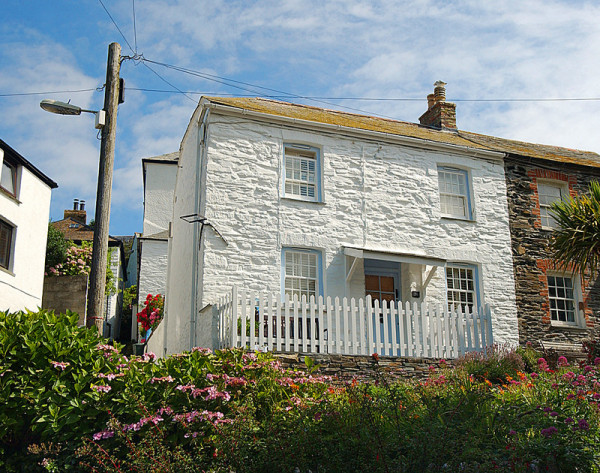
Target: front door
[(380, 287), (382, 280)]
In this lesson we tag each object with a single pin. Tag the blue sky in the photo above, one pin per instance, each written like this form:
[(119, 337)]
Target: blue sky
[(336, 50)]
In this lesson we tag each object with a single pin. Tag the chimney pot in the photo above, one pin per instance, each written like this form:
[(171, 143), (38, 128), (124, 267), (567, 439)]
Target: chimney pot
[(439, 91), (75, 204), (430, 101), (82, 205)]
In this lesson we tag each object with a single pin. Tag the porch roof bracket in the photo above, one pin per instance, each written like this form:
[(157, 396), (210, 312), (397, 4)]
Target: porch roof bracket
[(350, 273), (430, 275)]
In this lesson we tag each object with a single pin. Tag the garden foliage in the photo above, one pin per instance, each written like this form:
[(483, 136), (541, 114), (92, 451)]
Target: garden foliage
[(71, 402)]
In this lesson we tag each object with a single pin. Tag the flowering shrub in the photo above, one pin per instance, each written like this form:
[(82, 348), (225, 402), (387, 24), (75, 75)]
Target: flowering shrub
[(151, 314), (71, 400), (78, 261)]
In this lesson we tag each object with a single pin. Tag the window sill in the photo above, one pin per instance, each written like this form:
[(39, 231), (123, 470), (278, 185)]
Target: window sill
[(462, 219), (7, 271), (568, 326), (12, 197), (298, 199)]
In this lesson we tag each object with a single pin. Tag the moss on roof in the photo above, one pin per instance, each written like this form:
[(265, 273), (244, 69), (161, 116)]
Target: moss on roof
[(412, 130)]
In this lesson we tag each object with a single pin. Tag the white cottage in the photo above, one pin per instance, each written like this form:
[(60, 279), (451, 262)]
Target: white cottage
[(299, 201), (24, 212)]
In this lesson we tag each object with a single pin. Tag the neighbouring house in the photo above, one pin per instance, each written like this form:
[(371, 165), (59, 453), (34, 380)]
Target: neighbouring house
[(24, 213), (160, 173), (298, 201), (148, 261), (74, 227), (555, 306)]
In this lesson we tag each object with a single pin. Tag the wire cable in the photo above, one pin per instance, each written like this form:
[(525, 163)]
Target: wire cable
[(116, 26), (50, 92), (134, 28), (168, 83)]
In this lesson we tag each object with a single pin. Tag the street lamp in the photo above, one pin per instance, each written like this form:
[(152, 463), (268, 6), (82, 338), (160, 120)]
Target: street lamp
[(62, 108), (106, 120)]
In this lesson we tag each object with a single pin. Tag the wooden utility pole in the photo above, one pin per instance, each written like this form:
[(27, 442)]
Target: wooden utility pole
[(95, 308)]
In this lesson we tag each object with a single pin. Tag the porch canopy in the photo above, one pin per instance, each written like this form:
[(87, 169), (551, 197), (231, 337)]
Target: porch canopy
[(357, 253)]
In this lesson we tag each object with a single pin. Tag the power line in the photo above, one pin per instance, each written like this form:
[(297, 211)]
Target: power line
[(232, 82), (116, 26), (51, 92), (134, 29), (168, 83)]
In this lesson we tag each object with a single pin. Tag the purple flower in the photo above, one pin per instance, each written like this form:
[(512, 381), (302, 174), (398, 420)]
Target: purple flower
[(553, 414), (562, 361), (549, 432), (569, 420), (583, 424)]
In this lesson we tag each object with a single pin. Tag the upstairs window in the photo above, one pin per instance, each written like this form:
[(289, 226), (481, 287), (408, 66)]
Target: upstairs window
[(301, 273), (302, 172), (8, 178), (461, 282), (454, 192), (549, 193), (6, 242)]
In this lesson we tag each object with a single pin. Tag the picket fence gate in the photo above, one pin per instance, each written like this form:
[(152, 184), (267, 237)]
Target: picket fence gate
[(262, 321)]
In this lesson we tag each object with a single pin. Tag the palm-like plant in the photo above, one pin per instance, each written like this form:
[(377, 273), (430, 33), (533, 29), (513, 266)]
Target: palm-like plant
[(576, 241)]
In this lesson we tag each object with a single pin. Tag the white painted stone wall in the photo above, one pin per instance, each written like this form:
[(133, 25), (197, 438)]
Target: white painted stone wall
[(22, 286), (376, 195), (153, 268), (158, 196)]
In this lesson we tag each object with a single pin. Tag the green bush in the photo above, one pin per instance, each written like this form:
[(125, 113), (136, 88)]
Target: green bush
[(70, 402)]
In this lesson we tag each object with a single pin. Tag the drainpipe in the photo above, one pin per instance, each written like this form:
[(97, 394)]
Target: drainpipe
[(201, 147)]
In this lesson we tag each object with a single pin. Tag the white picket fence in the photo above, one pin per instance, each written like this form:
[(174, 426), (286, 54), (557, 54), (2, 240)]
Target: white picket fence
[(355, 327)]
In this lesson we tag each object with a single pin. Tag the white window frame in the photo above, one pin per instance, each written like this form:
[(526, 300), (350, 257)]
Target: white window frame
[(451, 287), (545, 207), (303, 160), (289, 258), (575, 299), (446, 195), (14, 171)]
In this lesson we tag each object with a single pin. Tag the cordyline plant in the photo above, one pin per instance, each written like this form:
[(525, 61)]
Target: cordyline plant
[(151, 314), (576, 242)]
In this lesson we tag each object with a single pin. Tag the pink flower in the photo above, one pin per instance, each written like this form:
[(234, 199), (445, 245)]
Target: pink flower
[(562, 361), (60, 364), (100, 388), (105, 434)]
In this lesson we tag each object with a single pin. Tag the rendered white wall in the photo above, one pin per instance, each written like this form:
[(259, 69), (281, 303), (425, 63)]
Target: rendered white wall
[(158, 196), (21, 288), (153, 269)]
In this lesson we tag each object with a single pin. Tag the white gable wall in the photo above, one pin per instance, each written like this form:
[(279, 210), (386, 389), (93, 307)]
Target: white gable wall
[(22, 286)]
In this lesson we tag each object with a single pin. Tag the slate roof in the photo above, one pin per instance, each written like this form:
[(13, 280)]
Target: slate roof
[(166, 158), (413, 130), (79, 233)]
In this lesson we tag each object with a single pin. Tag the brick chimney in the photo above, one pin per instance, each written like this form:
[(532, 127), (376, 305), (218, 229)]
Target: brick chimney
[(78, 213), (440, 114)]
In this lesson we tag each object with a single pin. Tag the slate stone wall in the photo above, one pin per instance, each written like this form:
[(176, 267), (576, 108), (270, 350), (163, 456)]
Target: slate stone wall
[(345, 368), (531, 255)]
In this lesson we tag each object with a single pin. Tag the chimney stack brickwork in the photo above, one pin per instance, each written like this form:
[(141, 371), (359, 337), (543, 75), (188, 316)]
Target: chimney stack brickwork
[(78, 213), (440, 114)]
